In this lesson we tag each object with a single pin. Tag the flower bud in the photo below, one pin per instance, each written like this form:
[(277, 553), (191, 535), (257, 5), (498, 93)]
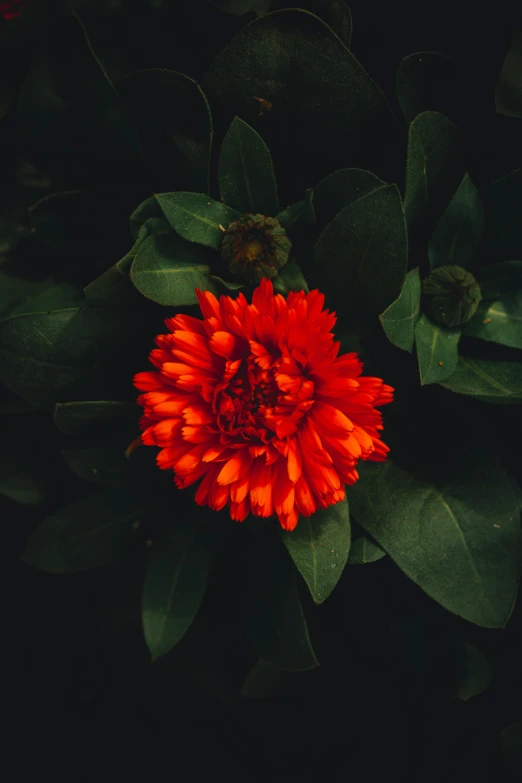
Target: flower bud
[(451, 296), (255, 246)]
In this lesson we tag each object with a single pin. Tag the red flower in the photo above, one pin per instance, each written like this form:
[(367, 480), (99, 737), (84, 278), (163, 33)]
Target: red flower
[(11, 9), (254, 400)]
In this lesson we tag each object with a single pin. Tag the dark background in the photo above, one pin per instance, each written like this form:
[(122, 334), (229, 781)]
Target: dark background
[(87, 704)]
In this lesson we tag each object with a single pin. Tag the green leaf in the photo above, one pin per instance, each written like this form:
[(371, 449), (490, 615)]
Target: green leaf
[(437, 350), (22, 481), (364, 550), (502, 237), (319, 95), (45, 356), (175, 126), (508, 92), (423, 82), (399, 319), (319, 547), (301, 213), (335, 13), (360, 257), (107, 467), (143, 212), (473, 672), (340, 189), (290, 278), (489, 381), (433, 167), (500, 279), (168, 269), (196, 217), (91, 533), (246, 175), (175, 581), (456, 534), (499, 321), (273, 615), (85, 418), (457, 235), (16, 289)]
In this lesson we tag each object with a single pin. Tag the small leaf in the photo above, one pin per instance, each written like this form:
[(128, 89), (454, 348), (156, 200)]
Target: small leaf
[(437, 352), (290, 278), (360, 257), (340, 189), (456, 534), (80, 419), (508, 92), (22, 481), (457, 234), (399, 319), (319, 547), (107, 467), (500, 279), (423, 82), (273, 615), (364, 550), (499, 321), (168, 269), (175, 581), (502, 237), (143, 212), (433, 167), (196, 217), (246, 175), (489, 381), (91, 533)]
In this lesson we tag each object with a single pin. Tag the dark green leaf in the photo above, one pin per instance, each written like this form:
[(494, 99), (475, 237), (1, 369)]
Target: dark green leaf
[(473, 672), (175, 125), (264, 681), (22, 482), (456, 534), (360, 258), (490, 381), (499, 321), (502, 237), (15, 289), (508, 92), (175, 581), (433, 167), (364, 550), (246, 175), (91, 533), (319, 547), (399, 319), (273, 615), (336, 14), (437, 350), (340, 189), (423, 82), (290, 278), (300, 213), (143, 212), (107, 467), (457, 235), (81, 419), (319, 96), (500, 279), (168, 269), (196, 217)]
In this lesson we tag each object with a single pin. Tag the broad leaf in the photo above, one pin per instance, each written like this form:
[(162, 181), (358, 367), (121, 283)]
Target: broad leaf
[(316, 93), (175, 126), (433, 168), (457, 235), (290, 278), (499, 321), (336, 14), (437, 352), (500, 279), (82, 419), (502, 237), (487, 380), (456, 534), (15, 288), (145, 211), (177, 571), (423, 82), (107, 467), (364, 550), (301, 213), (340, 189), (399, 319), (246, 175), (508, 92), (360, 257), (196, 217), (22, 481), (319, 547), (168, 269), (90, 533), (273, 615)]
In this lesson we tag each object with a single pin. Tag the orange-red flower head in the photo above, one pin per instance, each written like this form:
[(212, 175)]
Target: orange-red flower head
[(254, 401)]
